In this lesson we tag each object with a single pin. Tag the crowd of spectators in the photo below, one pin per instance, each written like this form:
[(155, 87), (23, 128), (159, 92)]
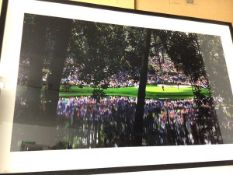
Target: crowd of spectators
[(110, 122), (168, 79), (164, 72), (122, 79), (119, 79)]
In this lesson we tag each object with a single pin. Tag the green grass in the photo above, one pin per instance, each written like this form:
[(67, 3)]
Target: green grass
[(172, 92)]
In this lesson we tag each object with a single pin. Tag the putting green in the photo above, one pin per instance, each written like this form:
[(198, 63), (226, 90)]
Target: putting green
[(167, 89), (172, 92)]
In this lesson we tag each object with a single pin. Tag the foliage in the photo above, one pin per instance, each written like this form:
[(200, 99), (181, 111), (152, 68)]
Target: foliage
[(98, 94), (183, 48), (102, 50)]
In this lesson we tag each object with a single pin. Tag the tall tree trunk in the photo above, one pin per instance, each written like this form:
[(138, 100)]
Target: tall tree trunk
[(62, 29), (138, 126), (35, 50), (211, 119)]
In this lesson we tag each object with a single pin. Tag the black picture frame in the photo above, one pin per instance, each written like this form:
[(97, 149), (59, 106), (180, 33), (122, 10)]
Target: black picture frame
[(2, 21), (7, 91)]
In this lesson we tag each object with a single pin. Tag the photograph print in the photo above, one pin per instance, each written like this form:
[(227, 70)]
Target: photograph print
[(84, 84)]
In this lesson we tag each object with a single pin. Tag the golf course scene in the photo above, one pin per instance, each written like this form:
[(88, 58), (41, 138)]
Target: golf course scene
[(98, 85)]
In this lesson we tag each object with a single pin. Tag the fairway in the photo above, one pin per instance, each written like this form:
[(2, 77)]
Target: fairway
[(155, 92)]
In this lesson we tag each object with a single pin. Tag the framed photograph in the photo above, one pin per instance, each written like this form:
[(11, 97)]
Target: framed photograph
[(90, 87)]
